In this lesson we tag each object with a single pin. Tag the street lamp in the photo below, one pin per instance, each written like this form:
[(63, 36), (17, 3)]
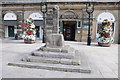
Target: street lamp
[(89, 10), (44, 11)]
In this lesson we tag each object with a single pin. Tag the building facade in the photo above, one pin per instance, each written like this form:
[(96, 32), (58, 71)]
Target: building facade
[(73, 18)]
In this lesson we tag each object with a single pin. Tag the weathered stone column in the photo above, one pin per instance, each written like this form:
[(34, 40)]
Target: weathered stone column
[(55, 40), (55, 20)]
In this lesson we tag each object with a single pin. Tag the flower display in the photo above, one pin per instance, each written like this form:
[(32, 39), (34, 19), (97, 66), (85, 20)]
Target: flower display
[(29, 32), (105, 33)]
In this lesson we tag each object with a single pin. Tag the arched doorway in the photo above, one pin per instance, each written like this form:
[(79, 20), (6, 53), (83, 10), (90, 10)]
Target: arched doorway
[(10, 20), (69, 25), (38, 21), (105, 15)]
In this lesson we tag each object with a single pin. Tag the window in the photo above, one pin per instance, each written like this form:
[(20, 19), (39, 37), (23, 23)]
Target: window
[(36, 16), (106, 15), (10, 16), (78, 24)]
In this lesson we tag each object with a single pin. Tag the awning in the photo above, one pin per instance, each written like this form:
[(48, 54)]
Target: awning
[(38, 22), (10, 22)]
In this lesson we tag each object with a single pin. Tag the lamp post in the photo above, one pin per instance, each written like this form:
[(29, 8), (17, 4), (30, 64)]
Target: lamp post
[(44, 11), (89, 10)]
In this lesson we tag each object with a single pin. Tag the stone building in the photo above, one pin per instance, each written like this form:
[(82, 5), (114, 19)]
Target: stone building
[(73, 18)]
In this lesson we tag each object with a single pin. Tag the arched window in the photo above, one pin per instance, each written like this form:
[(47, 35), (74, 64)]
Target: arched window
[(69, 15), (36, 16), (106, 15), (10, 16)]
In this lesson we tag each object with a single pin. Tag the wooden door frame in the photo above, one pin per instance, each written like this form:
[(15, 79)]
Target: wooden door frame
[(74, 23)]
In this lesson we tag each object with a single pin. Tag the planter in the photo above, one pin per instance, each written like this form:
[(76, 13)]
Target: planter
[(29, 41), (104, 44)]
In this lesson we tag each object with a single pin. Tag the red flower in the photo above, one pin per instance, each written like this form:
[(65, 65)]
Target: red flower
[(108, 25), (29, 27), (25, 25), (106, 36), (110, 30), (29, 33)]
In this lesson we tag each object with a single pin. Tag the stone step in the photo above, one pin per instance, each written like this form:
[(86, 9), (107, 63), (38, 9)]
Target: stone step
[(52, 60), (54, 54), (57, 67), (83, 67), (65, 49)]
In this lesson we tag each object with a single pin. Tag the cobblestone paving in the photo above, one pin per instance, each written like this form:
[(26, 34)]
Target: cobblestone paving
[(102, 60)]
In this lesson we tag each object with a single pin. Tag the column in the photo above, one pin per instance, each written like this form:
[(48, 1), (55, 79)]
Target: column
[(55, 20)]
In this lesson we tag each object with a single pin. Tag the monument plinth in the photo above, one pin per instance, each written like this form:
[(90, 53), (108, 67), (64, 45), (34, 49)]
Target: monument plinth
[(55, 41)]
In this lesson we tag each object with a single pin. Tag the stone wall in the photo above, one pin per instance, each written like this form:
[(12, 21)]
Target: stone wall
[(119, 24), (1, 28)]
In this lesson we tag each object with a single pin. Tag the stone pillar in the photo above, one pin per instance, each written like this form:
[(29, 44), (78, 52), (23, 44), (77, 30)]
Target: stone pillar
[(55, 20), (118, 26), (0, 14), (55, 40), (1, 24)]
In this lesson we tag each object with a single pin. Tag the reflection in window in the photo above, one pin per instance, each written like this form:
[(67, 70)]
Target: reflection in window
[(68, 31), (85, 26)]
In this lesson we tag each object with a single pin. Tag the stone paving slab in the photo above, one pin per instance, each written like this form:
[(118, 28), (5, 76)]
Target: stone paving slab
[(16, 49), (97, 56)]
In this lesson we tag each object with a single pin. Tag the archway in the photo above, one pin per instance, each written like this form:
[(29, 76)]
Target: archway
[(68, 25), (10, 16), (36, 16), (69, 15), (105, 15)]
